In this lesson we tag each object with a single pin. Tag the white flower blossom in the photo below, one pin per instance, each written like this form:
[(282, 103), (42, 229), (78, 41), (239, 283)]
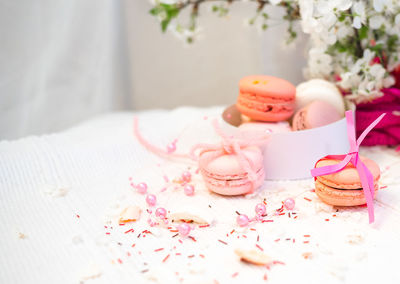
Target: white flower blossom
[(360, 16), (375, 22), (275, 2)]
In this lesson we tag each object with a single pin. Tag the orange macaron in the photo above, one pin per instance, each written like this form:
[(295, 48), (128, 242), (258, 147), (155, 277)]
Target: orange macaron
[(266, 98), (344, 188)]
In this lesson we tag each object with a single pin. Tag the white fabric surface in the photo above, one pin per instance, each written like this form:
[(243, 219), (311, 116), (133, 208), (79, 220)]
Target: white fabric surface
[(93, 161)]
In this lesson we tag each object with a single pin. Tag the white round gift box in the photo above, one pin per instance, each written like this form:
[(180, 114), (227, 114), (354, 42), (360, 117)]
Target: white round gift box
[(291, 155)]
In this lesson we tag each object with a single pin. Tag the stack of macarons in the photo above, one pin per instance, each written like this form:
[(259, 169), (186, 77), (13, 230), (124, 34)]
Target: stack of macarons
[(344, 188), (224, 174), (271, 103)]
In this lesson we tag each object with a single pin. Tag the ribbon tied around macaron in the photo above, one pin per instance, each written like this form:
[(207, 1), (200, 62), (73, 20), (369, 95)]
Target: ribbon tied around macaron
[(367, 180), (232, 145)]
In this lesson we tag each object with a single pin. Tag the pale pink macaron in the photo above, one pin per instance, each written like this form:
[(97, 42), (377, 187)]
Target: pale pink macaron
[(344, 188), (225, 175), (316, 114)]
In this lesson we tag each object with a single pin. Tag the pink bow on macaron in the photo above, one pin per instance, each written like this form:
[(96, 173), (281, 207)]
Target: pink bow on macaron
[(367, 180), (232, 145)]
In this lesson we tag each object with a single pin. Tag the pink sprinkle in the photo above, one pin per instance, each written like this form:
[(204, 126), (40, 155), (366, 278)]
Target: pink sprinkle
[(277, 240), (204, 226), (205, 117), (131, 230), (130, 178), (165, 258), (278, 262), (308, 199), (159, 249), (107, 233), (221, 241), (78, 216), (119, 260), (260, 248), (166, 178), (235, 274)]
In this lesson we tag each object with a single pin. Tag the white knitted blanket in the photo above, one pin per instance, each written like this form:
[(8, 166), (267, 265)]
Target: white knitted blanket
[(59, 193)]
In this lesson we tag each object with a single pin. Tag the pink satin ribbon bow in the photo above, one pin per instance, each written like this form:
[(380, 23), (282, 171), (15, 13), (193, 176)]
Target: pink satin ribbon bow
[(367, 180), (232, 145)]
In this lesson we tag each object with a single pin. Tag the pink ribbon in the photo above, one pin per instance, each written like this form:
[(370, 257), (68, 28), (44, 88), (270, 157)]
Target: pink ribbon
[(232, 145), (367, 180)]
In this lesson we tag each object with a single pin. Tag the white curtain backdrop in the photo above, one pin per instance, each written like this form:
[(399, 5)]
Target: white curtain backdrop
[(62, 62)]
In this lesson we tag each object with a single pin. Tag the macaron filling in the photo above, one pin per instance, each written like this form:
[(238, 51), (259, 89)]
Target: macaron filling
[(231, 180), (277, 107)]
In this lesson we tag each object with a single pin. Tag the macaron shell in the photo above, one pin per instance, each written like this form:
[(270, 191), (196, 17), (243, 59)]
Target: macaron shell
[(232, 185), (341, 197), (228, 165), (266, 98), (267, 86), (347, 178), (318, 89), (316, 114), (265, 111)]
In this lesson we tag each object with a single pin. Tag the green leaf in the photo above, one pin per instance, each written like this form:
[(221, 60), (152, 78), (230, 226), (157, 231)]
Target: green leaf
[(164, 25), (215, 8), (342, 17), (377, 48), (155, 11), (363, 32), (264, 26)]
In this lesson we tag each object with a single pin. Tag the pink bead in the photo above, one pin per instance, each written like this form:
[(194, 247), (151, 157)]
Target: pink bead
[(184, 229), (260, 209), (189, 189), (242, 220), (186, 176), (161, 212), (142, 187), (171, 147), (289, 203), (151, 199)]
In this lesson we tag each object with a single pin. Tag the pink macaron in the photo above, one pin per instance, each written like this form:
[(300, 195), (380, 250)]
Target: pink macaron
[(344, 188), (316, 114), (223, 174), (266, 98)]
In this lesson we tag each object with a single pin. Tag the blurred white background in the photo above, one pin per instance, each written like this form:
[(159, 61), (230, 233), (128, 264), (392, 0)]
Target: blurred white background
[(62, 62)]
